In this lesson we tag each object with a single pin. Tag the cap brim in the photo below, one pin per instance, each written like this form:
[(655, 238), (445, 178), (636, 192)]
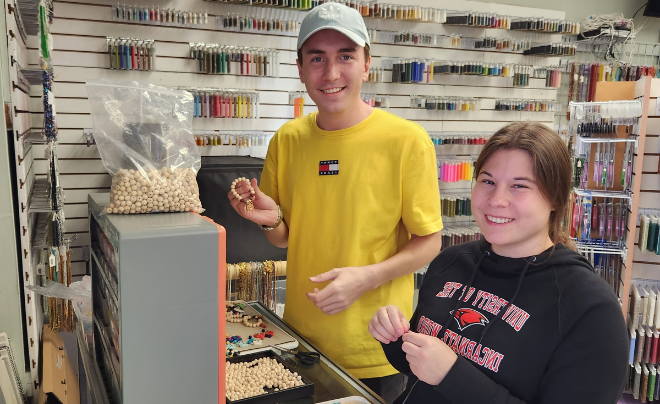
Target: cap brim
[(349, 34)]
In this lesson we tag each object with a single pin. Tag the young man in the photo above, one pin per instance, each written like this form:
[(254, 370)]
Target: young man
[(344, 189)]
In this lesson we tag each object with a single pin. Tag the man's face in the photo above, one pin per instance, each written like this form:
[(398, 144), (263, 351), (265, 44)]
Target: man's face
[(333, 69)]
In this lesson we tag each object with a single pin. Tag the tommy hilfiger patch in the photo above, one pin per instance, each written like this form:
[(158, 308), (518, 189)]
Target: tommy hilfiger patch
[(329, 167)]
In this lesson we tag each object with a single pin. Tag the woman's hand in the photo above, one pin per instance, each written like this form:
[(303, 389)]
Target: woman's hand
[(388, 324), (429, 357), (265, 208)]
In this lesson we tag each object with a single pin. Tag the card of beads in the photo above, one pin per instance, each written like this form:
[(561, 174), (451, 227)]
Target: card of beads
[(253, 330)]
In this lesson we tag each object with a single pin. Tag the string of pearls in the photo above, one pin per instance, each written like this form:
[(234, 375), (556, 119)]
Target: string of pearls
[(249, 379), (163, 190)]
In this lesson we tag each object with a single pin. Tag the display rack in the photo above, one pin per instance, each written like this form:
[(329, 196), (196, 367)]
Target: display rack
[(80, 32), (33, 200), (605, 92), (158, 317)]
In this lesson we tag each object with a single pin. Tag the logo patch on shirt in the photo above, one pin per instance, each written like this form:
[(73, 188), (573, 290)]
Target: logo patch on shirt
[(467, 317), (329, 167)]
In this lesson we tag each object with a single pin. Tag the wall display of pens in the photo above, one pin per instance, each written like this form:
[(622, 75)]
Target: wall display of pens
[(404, 37), (241, 60), (289, 23), (649, 231), (154, 14), (548, 25), (502, 44), (599, 220), (527, 105), (376, 75), (433, 103), (473, 68), (606, 170), (297, 99), (552, 49), (455, 169), (375, 100), (474, 19), (376, 9), (498, 44), (368, 9), (521, 74), (602, 117), (131, 53), (409, 70), (552, 76), (292, 4), (585, 75), (456, 204), (604, 146), (459, 138), (231, 138), (607, 264), (459, 234), (454, 41), (221, 103)]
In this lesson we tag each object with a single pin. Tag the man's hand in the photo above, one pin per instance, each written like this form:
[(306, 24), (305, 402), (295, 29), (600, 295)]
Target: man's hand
[(388, 324), (429, 357), (347, 285), (265, 208)]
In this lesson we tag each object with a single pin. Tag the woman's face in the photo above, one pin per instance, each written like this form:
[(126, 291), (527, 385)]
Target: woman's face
[(508, 206)]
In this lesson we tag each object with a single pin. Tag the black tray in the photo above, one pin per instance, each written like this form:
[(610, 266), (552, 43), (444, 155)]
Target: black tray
[(272, 396)]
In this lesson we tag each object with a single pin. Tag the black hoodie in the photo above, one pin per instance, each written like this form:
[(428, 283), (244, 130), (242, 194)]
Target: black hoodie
[(541, 329)]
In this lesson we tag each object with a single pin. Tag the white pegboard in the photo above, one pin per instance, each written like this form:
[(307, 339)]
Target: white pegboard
[(79, 32), (24, 157)]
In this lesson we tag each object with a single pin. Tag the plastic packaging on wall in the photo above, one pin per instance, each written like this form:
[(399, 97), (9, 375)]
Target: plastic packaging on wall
[(144, 136)]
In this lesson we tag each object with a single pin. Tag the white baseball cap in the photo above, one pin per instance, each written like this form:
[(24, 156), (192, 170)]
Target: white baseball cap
[(335, 16)]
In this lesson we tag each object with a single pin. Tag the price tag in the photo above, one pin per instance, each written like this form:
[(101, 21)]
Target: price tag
[(51, 260)]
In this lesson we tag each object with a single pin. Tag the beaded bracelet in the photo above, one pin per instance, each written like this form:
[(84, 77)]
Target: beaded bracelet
[(258, 317), (248, 202)]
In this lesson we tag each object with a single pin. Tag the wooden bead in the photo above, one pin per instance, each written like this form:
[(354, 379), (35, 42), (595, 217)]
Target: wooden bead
[(173, 190)]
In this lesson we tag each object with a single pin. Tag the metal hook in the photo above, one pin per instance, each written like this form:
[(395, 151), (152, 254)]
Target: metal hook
[(72, 239)]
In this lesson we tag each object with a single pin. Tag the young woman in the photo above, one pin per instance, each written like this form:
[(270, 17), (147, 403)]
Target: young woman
[(518, 316)]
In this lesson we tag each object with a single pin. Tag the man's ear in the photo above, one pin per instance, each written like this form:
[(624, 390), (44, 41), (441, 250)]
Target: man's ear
[(300, 72), (367, 64)]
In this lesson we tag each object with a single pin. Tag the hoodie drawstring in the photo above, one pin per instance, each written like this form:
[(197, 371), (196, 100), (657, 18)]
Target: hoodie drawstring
[(513, 298)]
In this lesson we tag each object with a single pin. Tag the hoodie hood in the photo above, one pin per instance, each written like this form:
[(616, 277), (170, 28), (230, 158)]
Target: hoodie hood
[(497, 265)]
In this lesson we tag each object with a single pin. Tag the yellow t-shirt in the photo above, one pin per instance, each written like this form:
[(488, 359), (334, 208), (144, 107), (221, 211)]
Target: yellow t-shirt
[(350, 198)]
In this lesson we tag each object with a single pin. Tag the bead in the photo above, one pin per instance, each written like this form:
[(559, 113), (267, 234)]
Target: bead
[(166, 188)]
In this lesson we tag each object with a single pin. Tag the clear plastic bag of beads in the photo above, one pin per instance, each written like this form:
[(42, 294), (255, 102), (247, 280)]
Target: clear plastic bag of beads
[(144, 136)]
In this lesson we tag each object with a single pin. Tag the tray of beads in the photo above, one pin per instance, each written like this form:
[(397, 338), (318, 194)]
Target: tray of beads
[(248, 331), (263, 378)]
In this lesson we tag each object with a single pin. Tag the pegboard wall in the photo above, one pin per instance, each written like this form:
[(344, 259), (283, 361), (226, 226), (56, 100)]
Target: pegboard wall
[(24, 87), (646, 265), (80, 53)]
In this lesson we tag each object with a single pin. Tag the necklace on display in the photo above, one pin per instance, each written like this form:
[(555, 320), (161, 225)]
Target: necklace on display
[(248, 202)]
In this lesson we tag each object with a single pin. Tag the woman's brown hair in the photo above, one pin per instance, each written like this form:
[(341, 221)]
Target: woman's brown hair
[(551, 164)]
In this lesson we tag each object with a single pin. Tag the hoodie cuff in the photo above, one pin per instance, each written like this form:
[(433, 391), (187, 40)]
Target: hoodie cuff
[(464, 383)]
